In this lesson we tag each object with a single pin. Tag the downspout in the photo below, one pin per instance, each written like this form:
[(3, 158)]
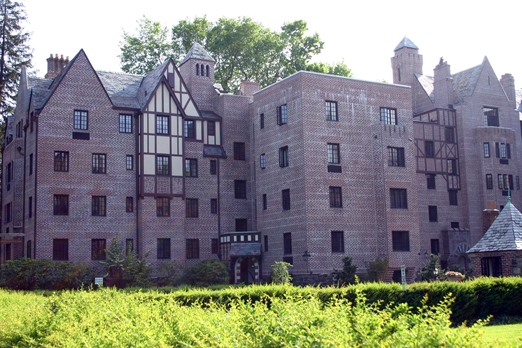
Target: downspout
[(137, 171), (35, 120), (219, 205), (23, 190)]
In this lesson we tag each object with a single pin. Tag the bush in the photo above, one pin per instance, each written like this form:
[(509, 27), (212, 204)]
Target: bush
[(168, 273), (376, 270), (208, 272), (280, 274), (347, 274)]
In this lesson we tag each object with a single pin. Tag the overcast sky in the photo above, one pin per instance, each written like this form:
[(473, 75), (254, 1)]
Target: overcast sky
[(363, 33)]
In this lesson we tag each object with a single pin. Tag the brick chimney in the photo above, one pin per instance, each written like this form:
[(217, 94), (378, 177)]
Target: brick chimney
[(55, 65), (248, 88), (488, 216), (442, 85)]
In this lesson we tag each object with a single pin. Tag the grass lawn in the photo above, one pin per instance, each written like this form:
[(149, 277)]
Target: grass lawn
[(504, 335)]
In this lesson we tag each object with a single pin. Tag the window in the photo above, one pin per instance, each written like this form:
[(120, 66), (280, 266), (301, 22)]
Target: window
[(490, 117), (98, 206), (239, 151), (60, 249), (162, 165), (213, 206), (98, 247), (491, 266), (240, 189), (162, 124), (9, 175), (266, 242), (401, 240), (500, 181), (8, 213), (189, 130), (285, 198), (453, 197), (429, 148), (331, 111), (61, 161), (396, 156), (241, 225), (192, 248), (81, 120), (398, 198), (337, 242), (333, 154), (452, 166), (30, 164), (163, 248), (430, 178), (99, 163), (129, 245), (214, 246), (162, 206), (191, 207), (191, 167), (435, 246), (262, 161), (450, 134), (283, 156), (432, 212), (61, 205), (29, 249), (129, 162), (197, 69), (454, 224), (503, 150), (213, 167), (287, 243), (129, 204), (388, 116), (265, 205), (262, 121), (211, 127), (30, 207), (336, 199), (489, 181), (282, 115), (125, 123), (486, 150)]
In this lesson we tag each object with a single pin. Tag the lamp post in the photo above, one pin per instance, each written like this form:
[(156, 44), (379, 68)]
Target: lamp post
[(306, 258)]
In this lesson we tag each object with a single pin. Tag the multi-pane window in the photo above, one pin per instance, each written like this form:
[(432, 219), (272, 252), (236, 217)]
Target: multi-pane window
[(283, 156), (239, 151), (500, 181), (99, 163), (213, 167), (262, 161), (398, 198), (333, 153), (285, 198), (61, 205), (163, 248), (162, 165), (192, 248), (81, 119), (287, 243), (282, 117), (162, 124), (262, 121), (489, 181), (162, 206), (336, 197), (99, 206), (331, 111), (129, 162), (125, 123), (490, 117), (401, 241), (98, 247), (191, 207), (241, 225), (430, 179), (505, 181), (491, 266), (503, 150), (487, 153), (211, 127), (240, 189), (61, 161), (265, 203), (191, 167), (452, 166), (432, 213), (435, 246), (396, 156), (213, 206), (129, 204), (189, 129), (429, 148), (450, 134), (60, 249), (388, 116), (214, 246), (337, 241), (453, 200)]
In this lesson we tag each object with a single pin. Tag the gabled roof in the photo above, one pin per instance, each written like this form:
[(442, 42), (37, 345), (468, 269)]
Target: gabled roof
[(504, 234), (197, 52), (121, 88), (465, 81), (150, 83), (405, 43), (427, 84)]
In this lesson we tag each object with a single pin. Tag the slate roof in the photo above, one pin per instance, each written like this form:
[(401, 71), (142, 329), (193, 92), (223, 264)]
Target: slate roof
[(518, 93), (121, 88), (504, 234), (426, 83), (198, 52), (405, 43)]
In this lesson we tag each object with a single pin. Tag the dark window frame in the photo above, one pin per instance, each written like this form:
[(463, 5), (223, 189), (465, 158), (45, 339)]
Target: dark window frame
[(265, 202), (283, 157), (163, 248), (129, 204), (331, 110), (241, 224), (211, 128), (61, 205), (240, 189), (189, 129), (401, 241), (431, 181), (453, 197), (99, 163), (213, 206), (486, 149), (125, 123), (262, 161), (396, 157), (429, 148), (98, 249), (192, 248), (191, 207), (213, 167), (162, 124), (214, 246), (335, 196), (334, 153), (287, 243), (99, 206), (162, 165), (388, 116), (433, 215), (398, 198), (261, 121), (81, 119), (191, 167), (285, 199), (239, 151), (337, 238), (162, 206), (129, 162), (450, 134), (60, 249), (282, 114), (491, 117), (61, 161), (489, 181)]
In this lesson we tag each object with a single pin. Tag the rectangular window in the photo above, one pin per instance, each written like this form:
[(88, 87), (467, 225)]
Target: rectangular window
[(285, 198), (9, 175), (452, 166), (262, 121), (432, 212), (192, 248), (490, 117), (189, 129), (125, 123), (334, 156), (213, 167), (29, 249), (266, 242), (241, 225), (213, 206), (497, 150), (336, 198), (240, 189), (30, 207), (163, 248), (331, 111), (98, 206), (396, 157), (239, 151), (98, 247), (501, 182), (487, 154), (61, 205), (81, 120), (491, 266), (211, 127), (162, 124), (388, 116), (337, 241), (60, 249), (129, 204), (129, 162), (503, 152), (429, 148), (401, 240), (450, 134), (430, 178), (435, 246), (489, 181), (282, 117), (8, 213), (162, 165), (454, 224), (283, 156), (61, 161), (214, 246), (99, 163), (262, 161), (30, 164), (453, 200), (191, 167), (265, 204), (287, 243), (162, 206), (510, 181), (398, 198), (191, 207)]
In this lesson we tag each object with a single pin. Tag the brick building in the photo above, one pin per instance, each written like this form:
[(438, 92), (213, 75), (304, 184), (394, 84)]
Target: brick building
[(308, 170)]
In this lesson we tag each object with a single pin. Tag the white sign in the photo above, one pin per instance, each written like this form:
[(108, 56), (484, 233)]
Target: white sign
[(98, 281), (403, 277)]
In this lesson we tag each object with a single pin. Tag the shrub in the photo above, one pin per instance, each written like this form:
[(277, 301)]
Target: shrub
[(168, 273), (376, 270), (208, 272), (347, 274), (432, 271), (280, 274)]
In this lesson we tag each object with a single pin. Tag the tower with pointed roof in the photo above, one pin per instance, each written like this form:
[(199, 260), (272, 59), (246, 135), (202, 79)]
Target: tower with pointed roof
[(406, 62)]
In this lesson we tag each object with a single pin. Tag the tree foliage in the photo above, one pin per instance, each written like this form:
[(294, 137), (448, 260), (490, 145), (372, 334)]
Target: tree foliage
[(14, 52), (280, 274), (347, 274)]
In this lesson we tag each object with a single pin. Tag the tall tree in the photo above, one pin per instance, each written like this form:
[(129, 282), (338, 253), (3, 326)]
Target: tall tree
[(14, 52)]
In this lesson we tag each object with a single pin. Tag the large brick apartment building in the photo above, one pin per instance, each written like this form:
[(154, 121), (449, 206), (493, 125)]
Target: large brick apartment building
[(307, 170)]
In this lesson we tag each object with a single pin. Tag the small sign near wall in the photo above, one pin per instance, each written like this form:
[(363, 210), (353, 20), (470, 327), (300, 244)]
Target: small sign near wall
[(98, 281), (403, 277)]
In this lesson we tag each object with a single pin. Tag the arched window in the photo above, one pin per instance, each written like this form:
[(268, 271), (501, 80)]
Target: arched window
[(197, 69), (207, 70)]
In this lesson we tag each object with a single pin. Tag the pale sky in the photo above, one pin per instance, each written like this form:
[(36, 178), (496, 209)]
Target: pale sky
[(363, 32)]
